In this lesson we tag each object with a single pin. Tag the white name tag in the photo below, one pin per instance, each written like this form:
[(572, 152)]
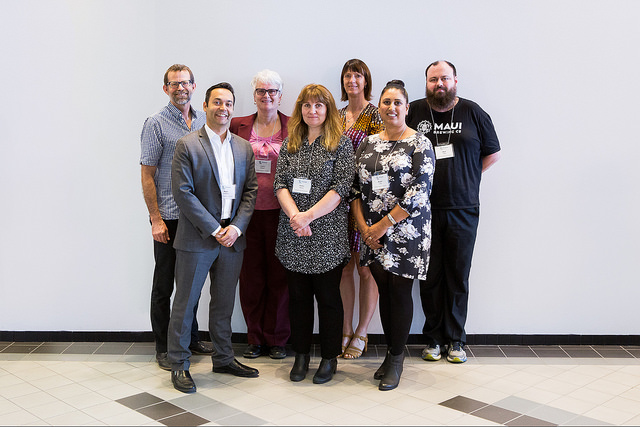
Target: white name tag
[(229, 191), (380, 182), (263, 166), (444, 151), (301, 185)]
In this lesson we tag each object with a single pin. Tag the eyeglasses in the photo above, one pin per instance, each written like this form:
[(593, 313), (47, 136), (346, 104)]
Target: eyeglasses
[(185, 84), (272, 92)]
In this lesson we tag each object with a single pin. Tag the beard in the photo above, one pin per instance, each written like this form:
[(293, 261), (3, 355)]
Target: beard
[(442, 101), (182, 100)]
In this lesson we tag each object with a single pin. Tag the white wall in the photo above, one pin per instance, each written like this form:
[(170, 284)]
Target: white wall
[(558, 244)]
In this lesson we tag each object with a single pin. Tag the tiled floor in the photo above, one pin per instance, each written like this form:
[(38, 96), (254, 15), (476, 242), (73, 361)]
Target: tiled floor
[(119, 384)]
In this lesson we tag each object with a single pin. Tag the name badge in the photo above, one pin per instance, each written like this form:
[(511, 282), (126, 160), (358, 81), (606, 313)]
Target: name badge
[(263, 166), (301, 185), (444, 151), (380, 182), (229, 191)]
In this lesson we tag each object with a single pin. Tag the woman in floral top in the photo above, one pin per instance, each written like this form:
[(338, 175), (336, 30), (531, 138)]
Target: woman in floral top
[(394, 175), (313, 179), (360, 118)]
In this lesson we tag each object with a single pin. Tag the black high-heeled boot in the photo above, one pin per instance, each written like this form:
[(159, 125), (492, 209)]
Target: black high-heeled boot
[(325, 371), (300, 367), (391, 377), (383, 368)]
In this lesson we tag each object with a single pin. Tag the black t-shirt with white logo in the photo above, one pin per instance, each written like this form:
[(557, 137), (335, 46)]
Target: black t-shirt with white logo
[(456, 182)]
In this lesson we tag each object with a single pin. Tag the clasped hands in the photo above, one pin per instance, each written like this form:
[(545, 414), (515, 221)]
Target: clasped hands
[(300, 223), (371, 235), (227, 236)]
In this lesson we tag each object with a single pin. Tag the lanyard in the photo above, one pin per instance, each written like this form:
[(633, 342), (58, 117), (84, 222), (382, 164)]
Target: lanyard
[(434, 126)]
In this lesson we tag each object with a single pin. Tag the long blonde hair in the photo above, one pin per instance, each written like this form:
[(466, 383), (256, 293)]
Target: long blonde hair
[(331, 128)]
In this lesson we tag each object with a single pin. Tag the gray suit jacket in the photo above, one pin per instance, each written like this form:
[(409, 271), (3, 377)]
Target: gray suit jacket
[(195, 185)]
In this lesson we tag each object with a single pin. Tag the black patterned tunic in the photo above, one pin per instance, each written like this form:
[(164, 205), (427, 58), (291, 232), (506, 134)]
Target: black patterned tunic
[(328, 245), (409, 164)]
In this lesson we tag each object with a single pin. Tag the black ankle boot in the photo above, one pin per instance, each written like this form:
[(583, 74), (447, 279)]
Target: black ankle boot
[(392, 374), (300, 367), (383, 368), (325, 371)]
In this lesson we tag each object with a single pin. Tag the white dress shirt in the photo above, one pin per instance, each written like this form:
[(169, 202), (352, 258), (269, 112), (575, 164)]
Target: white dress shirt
[(226, 170)]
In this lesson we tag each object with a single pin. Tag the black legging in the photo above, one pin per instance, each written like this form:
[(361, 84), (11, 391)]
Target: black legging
[(325, 287), (396, 307)]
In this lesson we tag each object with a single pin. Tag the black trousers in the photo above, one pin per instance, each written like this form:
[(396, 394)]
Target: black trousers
[(396, 307), (326, 289), (445, 292), (162, 288)]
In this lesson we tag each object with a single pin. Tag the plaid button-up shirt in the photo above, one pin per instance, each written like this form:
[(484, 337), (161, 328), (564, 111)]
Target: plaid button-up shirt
[(160, 134)]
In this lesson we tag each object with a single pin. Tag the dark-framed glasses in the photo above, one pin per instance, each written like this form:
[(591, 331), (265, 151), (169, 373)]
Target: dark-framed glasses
[(271, 92), (185, 84)]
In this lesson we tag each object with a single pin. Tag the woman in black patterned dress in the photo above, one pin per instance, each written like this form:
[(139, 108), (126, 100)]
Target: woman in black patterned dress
[(394, 175), (314, 175)]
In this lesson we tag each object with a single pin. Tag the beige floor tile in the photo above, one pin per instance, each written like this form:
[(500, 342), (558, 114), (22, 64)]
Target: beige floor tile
[(76, 418), (19, 418)]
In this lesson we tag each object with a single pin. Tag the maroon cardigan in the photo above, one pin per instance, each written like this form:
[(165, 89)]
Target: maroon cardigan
[(241, 126)]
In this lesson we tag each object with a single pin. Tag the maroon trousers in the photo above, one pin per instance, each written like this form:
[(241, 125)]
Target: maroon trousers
[(264, 296)]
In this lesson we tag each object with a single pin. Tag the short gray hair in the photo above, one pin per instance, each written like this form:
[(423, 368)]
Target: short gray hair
[(267, 77)]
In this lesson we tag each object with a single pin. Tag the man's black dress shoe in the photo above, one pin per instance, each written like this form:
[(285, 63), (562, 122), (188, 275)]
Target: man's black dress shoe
[(252, 351), (277, 352), (201, 348), (325, 371), (236, 368), (163, 361), (183, 382)]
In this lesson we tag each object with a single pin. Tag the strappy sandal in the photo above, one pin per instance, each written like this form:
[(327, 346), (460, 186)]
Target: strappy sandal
[(353, 351), (346, 340)]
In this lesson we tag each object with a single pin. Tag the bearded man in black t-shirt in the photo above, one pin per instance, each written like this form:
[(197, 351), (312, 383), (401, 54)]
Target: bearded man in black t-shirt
[(465, 144)]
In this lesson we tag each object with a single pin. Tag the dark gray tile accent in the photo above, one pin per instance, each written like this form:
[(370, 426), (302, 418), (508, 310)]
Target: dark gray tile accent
[(549, 351), (51, 348), (613, 352), (463, 404), (517, 351), (487, 351), (184, 419), (113, 348), (414, 351), (634, 351), (140, 400), (82, 348), (495, 414), (141, 349), (581, 352), (21, 348), (161, 410)]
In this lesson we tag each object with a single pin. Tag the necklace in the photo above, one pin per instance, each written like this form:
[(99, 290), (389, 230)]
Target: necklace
[(351, 118), (404, 130)]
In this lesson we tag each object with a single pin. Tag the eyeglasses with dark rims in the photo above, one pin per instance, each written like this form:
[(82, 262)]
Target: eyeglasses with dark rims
[(185, 84), (271, 92)]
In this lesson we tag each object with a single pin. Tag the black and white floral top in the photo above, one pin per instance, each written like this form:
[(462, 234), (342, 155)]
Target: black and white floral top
[(409, 164), (328, 245)]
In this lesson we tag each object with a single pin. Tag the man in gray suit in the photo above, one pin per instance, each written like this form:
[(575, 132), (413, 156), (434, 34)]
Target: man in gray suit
[(215, 186)]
